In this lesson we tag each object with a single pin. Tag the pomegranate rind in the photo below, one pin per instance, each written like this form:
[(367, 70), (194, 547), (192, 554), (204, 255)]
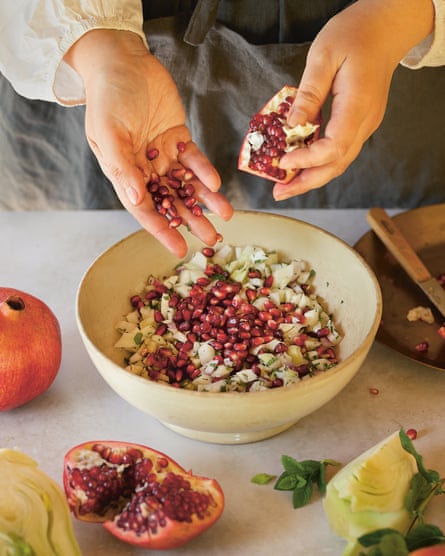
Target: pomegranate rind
[(172, 533), (303, 135), (30, 349)]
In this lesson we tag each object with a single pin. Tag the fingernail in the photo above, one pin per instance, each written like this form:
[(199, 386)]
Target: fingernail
[(281, 196), (132, 195)]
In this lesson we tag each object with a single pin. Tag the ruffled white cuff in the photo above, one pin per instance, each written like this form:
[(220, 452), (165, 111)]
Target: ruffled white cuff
[(431, 51)]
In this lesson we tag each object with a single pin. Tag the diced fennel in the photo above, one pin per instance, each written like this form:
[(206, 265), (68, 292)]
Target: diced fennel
[(307, 352)]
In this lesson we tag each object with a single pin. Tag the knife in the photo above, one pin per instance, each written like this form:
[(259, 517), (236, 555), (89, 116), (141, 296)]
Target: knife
[(398, 245)]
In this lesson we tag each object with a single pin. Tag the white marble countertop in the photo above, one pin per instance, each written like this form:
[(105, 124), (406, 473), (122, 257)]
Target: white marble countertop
[(47, 253)]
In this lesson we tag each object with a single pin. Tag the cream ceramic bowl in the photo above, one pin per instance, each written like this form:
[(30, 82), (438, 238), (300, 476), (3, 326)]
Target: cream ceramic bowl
[(343, 279)]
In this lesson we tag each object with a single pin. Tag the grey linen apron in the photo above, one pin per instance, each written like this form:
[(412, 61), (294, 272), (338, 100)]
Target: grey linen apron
[(228, 57)]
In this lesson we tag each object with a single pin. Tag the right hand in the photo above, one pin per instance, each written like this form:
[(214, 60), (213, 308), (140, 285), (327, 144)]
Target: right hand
[(132, 106)]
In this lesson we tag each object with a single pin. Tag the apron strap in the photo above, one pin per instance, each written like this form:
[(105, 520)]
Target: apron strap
[(202, 20)]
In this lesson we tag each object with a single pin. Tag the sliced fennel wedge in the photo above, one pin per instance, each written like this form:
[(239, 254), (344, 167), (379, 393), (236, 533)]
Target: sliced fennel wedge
[(34, 514), (369, 493)]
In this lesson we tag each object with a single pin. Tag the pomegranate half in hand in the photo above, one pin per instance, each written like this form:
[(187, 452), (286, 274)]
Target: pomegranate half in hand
[(30, 347), (269, 138), (140, 495)]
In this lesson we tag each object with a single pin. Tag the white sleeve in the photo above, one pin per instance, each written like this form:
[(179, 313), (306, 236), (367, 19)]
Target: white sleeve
[(36, 34), (431, 51)]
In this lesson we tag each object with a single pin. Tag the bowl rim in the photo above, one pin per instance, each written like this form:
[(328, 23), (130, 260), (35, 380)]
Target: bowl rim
[(320, 378)]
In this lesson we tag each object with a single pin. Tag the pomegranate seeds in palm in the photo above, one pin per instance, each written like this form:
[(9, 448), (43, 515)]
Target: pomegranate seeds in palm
[(269, 138), (140, 495)]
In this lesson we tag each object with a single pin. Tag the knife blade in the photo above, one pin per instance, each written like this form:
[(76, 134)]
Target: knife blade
[(400, 248)]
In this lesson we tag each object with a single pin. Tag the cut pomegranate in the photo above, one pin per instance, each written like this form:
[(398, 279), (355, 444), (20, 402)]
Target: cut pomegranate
[(140, 495), (269, 138)]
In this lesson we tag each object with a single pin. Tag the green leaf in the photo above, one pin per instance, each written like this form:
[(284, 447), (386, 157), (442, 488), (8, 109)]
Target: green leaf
[(291, 465), (288, 482), (424, 535), (375, 537), (384, 542), (262, 478), (393, 545), (302, 495), (321, 482), (419, 490), (430, 476)]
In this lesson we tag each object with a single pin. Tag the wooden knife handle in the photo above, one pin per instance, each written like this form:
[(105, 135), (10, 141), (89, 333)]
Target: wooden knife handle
[(397, 244)]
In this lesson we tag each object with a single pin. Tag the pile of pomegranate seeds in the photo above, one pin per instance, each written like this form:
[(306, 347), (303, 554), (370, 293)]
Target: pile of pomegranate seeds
[(165, 190), (230, 319)]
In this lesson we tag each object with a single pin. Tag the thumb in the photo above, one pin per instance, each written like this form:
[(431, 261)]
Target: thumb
[(121, 166), (313, 90)]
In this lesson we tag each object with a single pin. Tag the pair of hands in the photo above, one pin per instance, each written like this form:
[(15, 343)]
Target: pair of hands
[(133, 105)]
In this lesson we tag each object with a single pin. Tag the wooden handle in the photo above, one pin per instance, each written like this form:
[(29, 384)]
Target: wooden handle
[(397, 244)]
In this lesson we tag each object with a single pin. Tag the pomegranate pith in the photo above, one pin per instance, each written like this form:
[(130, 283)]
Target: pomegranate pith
[(269, 138), (140, 495)]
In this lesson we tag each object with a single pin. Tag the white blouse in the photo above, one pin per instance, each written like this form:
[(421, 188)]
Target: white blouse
[(36, 34)]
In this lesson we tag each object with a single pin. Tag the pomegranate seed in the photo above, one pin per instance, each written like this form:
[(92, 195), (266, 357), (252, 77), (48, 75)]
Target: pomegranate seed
[(374, 391), (208, 251), (152, 153), (188, 175), (441, 331), (175, 222), (422, 347), (180, 146), (189, 202), (411, 434)]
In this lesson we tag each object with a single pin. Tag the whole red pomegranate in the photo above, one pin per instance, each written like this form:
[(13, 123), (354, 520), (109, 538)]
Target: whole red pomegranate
[(30, 347), (140, 495), (269, 138)]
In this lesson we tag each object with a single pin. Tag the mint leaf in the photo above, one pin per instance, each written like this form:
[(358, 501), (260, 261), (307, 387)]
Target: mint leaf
[(262, 478), (288, 482), (302, 495), (301, 476), (291, 465)]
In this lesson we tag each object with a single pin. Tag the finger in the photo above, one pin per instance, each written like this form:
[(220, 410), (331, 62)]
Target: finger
[(317, 175), (313, 91), (305, 181), (158, 226), (346, 131), (126, 170), (192, 157), (214, 201)]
